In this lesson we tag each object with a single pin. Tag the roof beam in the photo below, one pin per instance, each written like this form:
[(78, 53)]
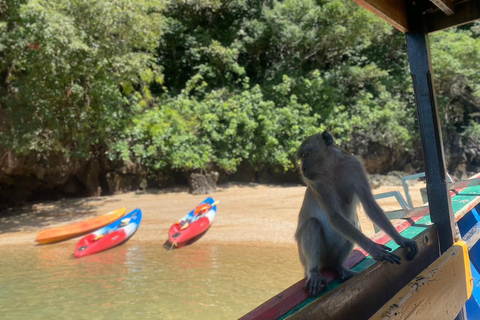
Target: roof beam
[(449, 14), (445, 5), (392, 11), (465, 12)]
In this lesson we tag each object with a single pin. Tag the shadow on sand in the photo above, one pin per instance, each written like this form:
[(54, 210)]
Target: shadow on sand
[(45, 214)]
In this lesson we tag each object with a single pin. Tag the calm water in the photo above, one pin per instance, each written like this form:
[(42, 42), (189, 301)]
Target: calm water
[(142, 281)]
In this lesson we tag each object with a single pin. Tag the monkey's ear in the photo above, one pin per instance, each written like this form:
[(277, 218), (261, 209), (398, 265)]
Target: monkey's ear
[(327, 137)]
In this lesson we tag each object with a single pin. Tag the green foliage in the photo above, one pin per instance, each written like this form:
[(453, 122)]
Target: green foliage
[(224, 128), (456, 59), (304, 62), (471, 135), (63, 63), (181, 85)]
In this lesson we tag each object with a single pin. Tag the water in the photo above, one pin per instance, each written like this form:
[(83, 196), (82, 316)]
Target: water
[(142, 281)]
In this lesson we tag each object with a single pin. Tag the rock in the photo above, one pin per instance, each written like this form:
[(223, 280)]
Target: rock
[(203, 183), (119, 183), (375, 181), (73, 186), (393, 178), (409, 168), (129, 177), (130, 168), (22, 176), (90, 177), (376, 158)]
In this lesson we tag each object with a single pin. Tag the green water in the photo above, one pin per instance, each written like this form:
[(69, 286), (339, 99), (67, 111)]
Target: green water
[(142, 281)]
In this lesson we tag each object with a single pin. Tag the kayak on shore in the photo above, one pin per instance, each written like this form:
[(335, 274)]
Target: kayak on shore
[(194, 225), (79, 228), (109, 236)]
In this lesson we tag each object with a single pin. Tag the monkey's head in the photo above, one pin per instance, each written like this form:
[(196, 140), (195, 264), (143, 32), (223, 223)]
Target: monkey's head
[(315, 153)]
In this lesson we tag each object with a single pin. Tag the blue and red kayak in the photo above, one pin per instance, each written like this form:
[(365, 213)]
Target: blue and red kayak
[(109, 236), (194, 225)]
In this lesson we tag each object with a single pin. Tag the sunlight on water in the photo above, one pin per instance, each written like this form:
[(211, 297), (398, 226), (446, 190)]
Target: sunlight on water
[(142, 281)]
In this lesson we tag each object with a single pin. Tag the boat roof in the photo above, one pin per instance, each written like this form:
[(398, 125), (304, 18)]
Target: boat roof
[(439, 14)]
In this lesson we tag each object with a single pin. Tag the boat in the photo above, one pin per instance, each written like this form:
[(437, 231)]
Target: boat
[(109, 236), (194, 225), (79, 228)]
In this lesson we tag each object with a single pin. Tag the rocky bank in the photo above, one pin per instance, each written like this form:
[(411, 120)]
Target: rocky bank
[(51, 176)]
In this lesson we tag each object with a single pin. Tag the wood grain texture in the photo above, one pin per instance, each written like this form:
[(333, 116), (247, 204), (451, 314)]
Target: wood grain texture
[(439, 292)]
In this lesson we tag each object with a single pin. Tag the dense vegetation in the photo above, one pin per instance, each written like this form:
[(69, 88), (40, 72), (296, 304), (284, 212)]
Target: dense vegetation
[(182, 85)]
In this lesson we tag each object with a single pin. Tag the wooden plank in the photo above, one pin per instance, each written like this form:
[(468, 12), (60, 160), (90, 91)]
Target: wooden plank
[(455, 187), (462, 203), (465, 12), (392, 11), (465, 201), (439, 292), (364, 294), (445, 5), (400, 214), (472, 236), (458, 186)]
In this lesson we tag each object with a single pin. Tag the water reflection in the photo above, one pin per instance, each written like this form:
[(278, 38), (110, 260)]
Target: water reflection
[(142, 281)]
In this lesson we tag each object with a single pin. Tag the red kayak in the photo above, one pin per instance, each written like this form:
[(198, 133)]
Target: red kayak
[(110, 236), (194, 225)]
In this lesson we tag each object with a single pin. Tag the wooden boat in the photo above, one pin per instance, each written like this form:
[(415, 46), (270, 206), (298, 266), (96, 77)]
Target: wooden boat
[(194, 225), (78, 228), (109, 236), (290, 302)]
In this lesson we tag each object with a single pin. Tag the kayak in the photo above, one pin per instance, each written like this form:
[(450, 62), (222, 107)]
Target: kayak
[(194, 225), (78, 228), (109, 236)]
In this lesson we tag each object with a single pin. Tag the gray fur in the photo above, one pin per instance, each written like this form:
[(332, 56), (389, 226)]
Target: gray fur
[(326, 230)]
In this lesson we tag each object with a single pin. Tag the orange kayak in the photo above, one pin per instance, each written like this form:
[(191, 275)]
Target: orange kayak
[(79, 228)]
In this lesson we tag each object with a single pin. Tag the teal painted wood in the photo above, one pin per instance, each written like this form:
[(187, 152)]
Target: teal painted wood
[(465, 198)]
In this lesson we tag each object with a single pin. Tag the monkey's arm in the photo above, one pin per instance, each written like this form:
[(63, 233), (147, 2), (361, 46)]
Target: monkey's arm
[(376, 214), (349, 231), (377, 251)]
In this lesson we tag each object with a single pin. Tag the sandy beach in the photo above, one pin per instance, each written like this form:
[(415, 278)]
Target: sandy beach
[(260, 215)]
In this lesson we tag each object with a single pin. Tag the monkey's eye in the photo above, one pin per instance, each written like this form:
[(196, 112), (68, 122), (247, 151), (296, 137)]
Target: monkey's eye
[(305, 154)]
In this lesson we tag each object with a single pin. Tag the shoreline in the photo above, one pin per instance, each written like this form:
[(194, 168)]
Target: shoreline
[(248, 214)]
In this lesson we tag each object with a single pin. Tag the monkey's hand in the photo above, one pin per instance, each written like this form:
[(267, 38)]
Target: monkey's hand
[(315, 282), (380, 252), (411, 245)]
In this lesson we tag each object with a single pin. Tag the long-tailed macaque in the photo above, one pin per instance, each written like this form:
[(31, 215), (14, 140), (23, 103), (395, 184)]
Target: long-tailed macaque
[(326, 229)]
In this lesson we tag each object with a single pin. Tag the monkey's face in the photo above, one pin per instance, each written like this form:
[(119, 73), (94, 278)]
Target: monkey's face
[(313, 153), (308, 163)]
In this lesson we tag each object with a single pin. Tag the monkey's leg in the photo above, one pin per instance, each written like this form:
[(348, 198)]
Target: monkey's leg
[(310, 241), (344, 248)]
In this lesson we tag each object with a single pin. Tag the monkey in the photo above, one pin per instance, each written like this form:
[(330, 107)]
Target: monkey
[(327, 223)]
